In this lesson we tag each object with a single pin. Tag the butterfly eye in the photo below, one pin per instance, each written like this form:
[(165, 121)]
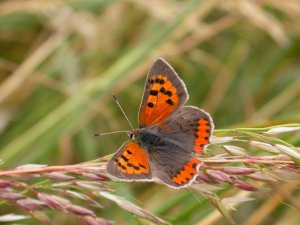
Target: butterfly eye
[(131, 135)]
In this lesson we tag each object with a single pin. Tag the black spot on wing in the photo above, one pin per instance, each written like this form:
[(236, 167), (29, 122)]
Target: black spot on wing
[(136, 167), (162, 90), (142, 166), (124, 158), (150, 104), (153, 92), (151, 81), (169, 93), (129, 152), (170, 102)]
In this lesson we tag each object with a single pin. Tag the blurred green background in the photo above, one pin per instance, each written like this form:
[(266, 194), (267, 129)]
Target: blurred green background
[(61, 61)]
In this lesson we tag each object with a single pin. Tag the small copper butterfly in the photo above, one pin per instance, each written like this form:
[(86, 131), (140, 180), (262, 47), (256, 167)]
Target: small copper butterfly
[(170, 134)]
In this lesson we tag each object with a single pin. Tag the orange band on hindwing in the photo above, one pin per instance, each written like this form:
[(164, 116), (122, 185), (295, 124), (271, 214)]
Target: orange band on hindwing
[(187, 172), (202, 135)]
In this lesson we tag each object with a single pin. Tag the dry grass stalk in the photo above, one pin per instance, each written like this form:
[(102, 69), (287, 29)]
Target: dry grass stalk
[(236, 168)]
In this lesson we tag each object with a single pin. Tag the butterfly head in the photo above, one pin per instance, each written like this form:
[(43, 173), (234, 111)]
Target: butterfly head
[(147, 138), (132, 134), (137, 136)]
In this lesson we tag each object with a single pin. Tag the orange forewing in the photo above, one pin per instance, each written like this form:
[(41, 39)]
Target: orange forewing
[(130, 162), (133, 160), (202, 135), (188, 172), (163, 98), (164, 92)]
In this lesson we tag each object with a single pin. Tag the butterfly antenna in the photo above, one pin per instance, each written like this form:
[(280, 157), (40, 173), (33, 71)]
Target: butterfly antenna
[(115, 98), (113, 132)]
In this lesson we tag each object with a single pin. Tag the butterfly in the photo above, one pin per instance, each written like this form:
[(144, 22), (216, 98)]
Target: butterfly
[(170, 134)]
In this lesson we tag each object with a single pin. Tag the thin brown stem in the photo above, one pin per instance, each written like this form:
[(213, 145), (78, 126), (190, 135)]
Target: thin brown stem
[(48, 169), (247, 161)]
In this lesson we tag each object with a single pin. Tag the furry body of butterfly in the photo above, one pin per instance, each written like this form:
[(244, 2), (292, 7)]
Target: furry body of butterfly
[(169, 135)]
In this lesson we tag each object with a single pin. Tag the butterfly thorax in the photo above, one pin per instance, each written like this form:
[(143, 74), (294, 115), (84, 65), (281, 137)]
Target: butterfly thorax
[(148, 138)]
